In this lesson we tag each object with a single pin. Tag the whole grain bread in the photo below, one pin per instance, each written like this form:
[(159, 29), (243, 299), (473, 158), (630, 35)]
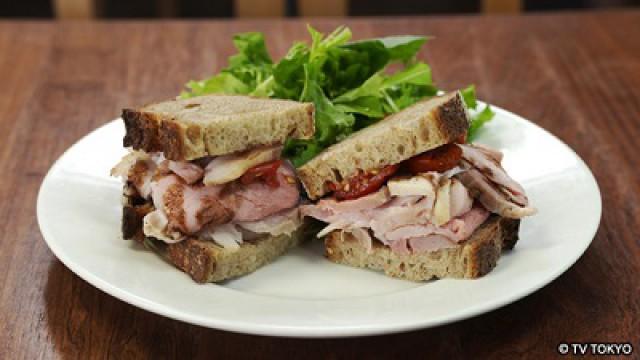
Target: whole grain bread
[(474, 258), (414, 130), (204, 260), (211, 125)]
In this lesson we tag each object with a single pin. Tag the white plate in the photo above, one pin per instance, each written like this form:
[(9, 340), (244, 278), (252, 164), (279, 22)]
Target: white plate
[(302, 294)]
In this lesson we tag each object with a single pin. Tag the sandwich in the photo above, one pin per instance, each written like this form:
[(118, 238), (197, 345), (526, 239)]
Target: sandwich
[(205, 185), (409, 197)]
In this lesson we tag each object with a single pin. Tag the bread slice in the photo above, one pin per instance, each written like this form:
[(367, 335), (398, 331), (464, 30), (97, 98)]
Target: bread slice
[(414, 130), (474, 258), (210, 125), (204, 260)]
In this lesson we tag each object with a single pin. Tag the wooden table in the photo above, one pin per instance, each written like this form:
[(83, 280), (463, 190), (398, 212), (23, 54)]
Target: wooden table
[(576, 75)]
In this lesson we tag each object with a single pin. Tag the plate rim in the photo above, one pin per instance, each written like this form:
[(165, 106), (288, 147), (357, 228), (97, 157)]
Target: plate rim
[(332, 331)]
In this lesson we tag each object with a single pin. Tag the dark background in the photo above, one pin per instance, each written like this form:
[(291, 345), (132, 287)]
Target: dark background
[(225, 8)]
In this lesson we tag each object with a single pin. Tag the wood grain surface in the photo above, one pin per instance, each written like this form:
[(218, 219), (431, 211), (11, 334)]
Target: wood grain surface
[(576, 75)]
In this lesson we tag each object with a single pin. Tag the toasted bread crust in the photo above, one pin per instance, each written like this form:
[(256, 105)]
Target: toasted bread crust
[(450, 118), (216, 125), (474, 258), (133, 211), (141, 130), (194, 258), (414, 130)]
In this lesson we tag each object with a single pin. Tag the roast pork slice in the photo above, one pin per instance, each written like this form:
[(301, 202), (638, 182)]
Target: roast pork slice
[(490, 197)]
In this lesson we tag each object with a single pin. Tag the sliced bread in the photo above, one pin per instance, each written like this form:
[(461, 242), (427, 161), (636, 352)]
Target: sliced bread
[(414, 130), (474, 258), (211, 125)]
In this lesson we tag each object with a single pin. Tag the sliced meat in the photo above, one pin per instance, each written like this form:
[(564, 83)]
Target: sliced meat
[(225, 235), (493, 154), (490, 197), (285, 222), (456, 230), (258, 200), (366, 202), (494, 172), (404, 201), (159, 187), (202, 207), (400, 247), (461, 200), (174, 207), (452, 172), (188, 208), (346, 221), (376, 211), (404, 223), (140, 176), (462, 227), (387, 220), (121, 169), (326, 209), (430, 243), (155, 223), (189, 172), (137, 168)]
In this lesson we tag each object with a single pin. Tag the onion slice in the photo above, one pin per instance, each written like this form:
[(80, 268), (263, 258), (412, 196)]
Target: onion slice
[(224, 169), (414, 186), (441, 209)]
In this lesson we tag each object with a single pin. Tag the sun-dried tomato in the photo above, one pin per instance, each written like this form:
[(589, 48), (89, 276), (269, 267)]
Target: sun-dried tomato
[(363, 183), (267, 172), (440, 159)]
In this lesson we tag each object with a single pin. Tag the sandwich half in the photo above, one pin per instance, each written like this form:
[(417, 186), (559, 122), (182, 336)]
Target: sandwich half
[(205, 185), (409, 197)]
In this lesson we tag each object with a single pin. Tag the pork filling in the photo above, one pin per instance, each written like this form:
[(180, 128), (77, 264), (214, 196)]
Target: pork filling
[(227, 199), (426, 211)]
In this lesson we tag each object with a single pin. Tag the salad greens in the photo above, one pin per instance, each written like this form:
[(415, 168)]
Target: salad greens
[(352, 84), (481, 117)]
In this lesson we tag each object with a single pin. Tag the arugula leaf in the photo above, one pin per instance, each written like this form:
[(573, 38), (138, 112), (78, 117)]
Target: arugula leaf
[(480, 118), (349, 65), (250, 68), (369, 106), (379, 86), (251, 50), (329, 121), (408, 94), (417, 74), (478, 121), (221, 83), (403, 47), (469, 96), (289, 72), (319, 54), (351, 84), (301, 151)]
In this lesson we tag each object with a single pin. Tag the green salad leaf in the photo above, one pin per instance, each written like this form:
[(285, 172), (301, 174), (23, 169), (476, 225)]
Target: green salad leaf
[(352, 84), (404, 47), (469, 96), (479, 120), (481, 117)]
